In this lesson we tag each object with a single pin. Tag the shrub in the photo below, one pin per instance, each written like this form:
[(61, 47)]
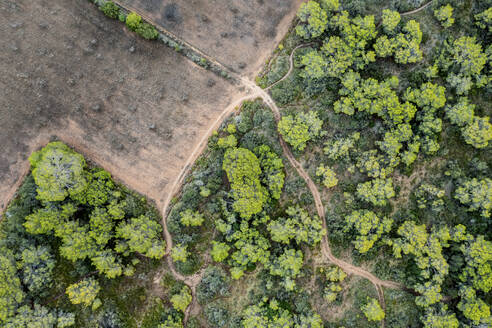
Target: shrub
[(182, 300), (217, 316), (110, 9), (215, 282), (147, 31), (133, 21), (372, 310)]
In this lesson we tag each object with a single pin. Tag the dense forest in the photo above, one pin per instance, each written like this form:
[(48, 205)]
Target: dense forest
[(386, 106)]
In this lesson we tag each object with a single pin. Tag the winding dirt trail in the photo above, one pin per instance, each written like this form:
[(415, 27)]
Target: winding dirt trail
[(325, 245), (253, 92), (291, 64), (256, 92)]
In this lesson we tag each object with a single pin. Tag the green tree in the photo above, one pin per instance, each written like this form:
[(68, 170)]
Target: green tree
[(133, 21), (427, 250), (440, 318), (431, 197), (335, 274), (410, 155), (314, 20), (428, 95), (384, 46), (65, 319), (58, 172), (328, 176), (376, 191), (101, 226), (288, 266), (407, 45), (478, 257), (478, 133), (390, 20), (338, 56), (369, 228), (299, 227), (77, 244), (254, 317), (99, 189), (341, 148), (181, 301), (330, 5), (47, 219), (220, 251), (460, 83), (315, 65), (273, 316), (179, 253), (462, 113), (37, 264), (376, 165), (298, 130), (468, 55), (243, 171), (251, 247), (11, 294), (83, 292), (231, 128), (190, 218), (37, 317), (373, 97), (429, 293), (171, 322), (477, 194), (473, 307), (107, 263), (272, 167), (372, 310), (308, 321), (143, 235), (413, 241), (227, 142), (331, 291), (484, 19), (444, 15)]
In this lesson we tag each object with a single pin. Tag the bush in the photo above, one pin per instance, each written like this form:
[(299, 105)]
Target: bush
[(147, 31), (217, 316), (133, 21), (215, 282), (110, 9)]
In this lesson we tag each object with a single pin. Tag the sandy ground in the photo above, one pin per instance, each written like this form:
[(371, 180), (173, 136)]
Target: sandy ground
[(134, 107), (241, 34)]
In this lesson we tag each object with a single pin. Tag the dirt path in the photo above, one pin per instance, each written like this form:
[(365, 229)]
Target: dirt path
[(255, 92), (325, 245), (291, 64), (194, 280), (417, 10)]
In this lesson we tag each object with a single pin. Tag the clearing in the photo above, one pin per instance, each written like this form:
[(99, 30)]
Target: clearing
[(136, 108)]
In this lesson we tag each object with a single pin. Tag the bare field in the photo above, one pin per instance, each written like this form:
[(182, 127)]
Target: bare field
[(134, 107), (240, 34)]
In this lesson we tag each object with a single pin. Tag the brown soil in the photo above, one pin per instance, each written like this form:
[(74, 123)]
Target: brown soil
[(134, 107), (239, 34)]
